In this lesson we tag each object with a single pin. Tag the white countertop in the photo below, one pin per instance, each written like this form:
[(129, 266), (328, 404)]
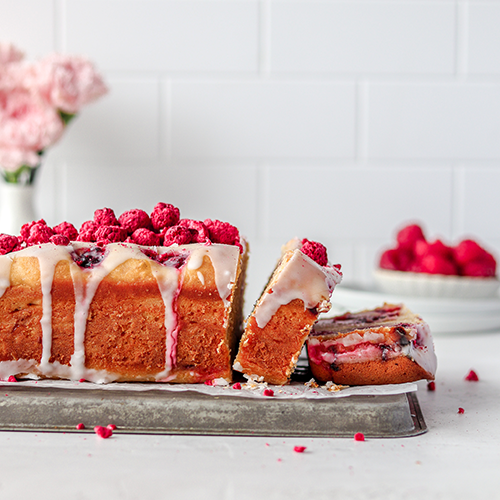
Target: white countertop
[(458, 457)]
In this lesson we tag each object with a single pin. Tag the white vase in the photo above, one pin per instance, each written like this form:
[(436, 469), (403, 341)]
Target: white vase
[(16, 206)]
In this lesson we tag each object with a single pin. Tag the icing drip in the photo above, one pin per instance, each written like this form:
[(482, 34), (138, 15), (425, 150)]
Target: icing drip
[(303, 279)]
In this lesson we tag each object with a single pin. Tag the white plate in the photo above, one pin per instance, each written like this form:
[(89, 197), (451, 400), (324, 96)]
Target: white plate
[(444, 315)]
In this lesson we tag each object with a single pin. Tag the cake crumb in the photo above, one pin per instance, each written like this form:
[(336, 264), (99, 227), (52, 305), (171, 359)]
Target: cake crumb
[(472, 376), (330, 386), (461, 411), (299, 449), (311, 383)]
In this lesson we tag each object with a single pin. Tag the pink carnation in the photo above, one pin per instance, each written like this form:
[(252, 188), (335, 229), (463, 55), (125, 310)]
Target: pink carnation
[(27, 123), (9, 54), (69, 82)]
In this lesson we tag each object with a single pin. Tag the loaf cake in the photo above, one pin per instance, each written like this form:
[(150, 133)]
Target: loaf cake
[(297, 292), (138, 298), (386, 345)]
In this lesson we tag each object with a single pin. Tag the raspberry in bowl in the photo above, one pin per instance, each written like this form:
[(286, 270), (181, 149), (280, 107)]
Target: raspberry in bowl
[(416, 266)]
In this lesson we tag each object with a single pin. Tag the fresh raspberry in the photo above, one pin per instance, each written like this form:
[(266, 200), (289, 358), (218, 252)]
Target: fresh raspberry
[(438, 248), (110, 234), (103, 432), (145, 237), (66, 229), (434, 264), (8, 243), (268, 392), (237, 386), (198, 230), (431, 386), (461, 411), (80, 426), (105, 217), (26, 228), (359, 436), (472, 376), (467, 251), (39, 233), (134, 219), (299, 449), (389, 260), (482, 268), (409, 235), (223, 232), (87, 231), (316, 251), (164, 215), (177, 235), (59, 239)]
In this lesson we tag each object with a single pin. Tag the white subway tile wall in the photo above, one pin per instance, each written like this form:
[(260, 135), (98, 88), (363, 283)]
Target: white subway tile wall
[(327, 119)]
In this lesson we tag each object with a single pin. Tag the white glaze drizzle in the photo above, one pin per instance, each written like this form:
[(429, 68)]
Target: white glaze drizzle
[(301, 278), (86, 282)]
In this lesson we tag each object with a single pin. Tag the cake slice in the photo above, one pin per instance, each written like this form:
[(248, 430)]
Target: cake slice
[(160, 302), (386, 345), (297, 292)]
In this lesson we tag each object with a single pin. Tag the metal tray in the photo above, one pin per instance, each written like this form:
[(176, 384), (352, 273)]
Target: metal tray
[(191, 413)]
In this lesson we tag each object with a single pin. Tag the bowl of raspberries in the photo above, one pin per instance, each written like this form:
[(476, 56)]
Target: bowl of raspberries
[(417, 267)]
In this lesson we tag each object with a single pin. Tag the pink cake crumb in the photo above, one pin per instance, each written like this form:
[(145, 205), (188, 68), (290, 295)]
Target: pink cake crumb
[(299, 449), (316, 251), (268, 392), (103, 432), (461, 411), (472, 376), (359, 436), (80, 426)]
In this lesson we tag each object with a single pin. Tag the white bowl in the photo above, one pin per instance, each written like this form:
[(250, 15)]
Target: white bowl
[(434, 285)]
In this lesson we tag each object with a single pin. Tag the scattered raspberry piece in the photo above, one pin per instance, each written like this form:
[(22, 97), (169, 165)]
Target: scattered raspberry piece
[(87, 231), (39, 233), (82, 380), (134, 219), (66, 229), (103, 432), (316, 251), (299, 449), (105, 217), (80, 426), (268, 392), (111, 427), (145, 237), (164, 215), (237, 386), (12, 379), (177, 235), (461, 411), (8, 243), (110, 234), (409, 235), (359, 436), (59, 239), (431, 386), (223, 232), (198, 230), (209, 382), (472, 376)]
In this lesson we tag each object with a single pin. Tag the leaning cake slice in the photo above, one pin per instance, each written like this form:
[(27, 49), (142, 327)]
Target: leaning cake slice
[(386, 345), (298, 291)]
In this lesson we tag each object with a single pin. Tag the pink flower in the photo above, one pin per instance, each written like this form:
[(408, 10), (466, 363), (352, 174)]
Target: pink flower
[(69, 82), (27, 123), (11, 158), (9, 53)]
